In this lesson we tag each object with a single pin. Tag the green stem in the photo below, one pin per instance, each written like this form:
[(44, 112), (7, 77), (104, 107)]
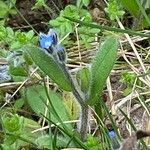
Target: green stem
[(84, 107), (142, 10), (130, 32), (84, 122)]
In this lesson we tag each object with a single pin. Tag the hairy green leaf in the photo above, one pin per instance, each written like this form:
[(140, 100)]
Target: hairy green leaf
[(101, 67), (45, 142), (37, 100), (18, 70), (83, 78), (71, 105), (49, 66)]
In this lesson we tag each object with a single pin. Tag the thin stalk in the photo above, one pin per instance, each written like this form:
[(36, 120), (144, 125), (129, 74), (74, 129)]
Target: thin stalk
[(84, 107), (84, 114), (48, 9), (130, 32), (143, 12), (84, 122), (75, 138), (23, 17)]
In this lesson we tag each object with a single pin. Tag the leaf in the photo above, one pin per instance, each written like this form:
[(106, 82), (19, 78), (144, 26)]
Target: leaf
[(54, 22), (45, 142), (21, 37), (18, 103), (30, 34), (69, 27), (12, 124), (38, 4), (15, 45), (27, 58), (28, 126), (17, 71), (71, 105), (62, 29), (3, 9), (3, 33), (101, 67), (37, 99), (70, 10), (113, 10), (10, 32), (131, 6), (146, 4), (83, 78), (12, 11), (11, 3), (143, 23), (86, 2), (79, 2), (94, 30), (49, 66), (2, 22)]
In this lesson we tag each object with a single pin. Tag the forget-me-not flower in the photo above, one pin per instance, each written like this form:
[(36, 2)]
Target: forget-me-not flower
[(112, 133), (113, 137), (49, 42)]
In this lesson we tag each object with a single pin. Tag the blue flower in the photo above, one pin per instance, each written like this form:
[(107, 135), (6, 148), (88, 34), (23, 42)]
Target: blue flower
[(114, 140), (47, 40), (112, 134)]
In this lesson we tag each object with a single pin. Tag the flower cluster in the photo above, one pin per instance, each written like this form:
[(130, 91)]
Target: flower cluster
[(49, 42)]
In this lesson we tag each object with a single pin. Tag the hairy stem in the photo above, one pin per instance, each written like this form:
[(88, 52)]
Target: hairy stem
[(83, 127), (84, 122)]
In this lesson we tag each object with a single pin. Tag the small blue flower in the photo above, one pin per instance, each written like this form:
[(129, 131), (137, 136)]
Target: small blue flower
[(114, 140), (47, 40), (112, 134)]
